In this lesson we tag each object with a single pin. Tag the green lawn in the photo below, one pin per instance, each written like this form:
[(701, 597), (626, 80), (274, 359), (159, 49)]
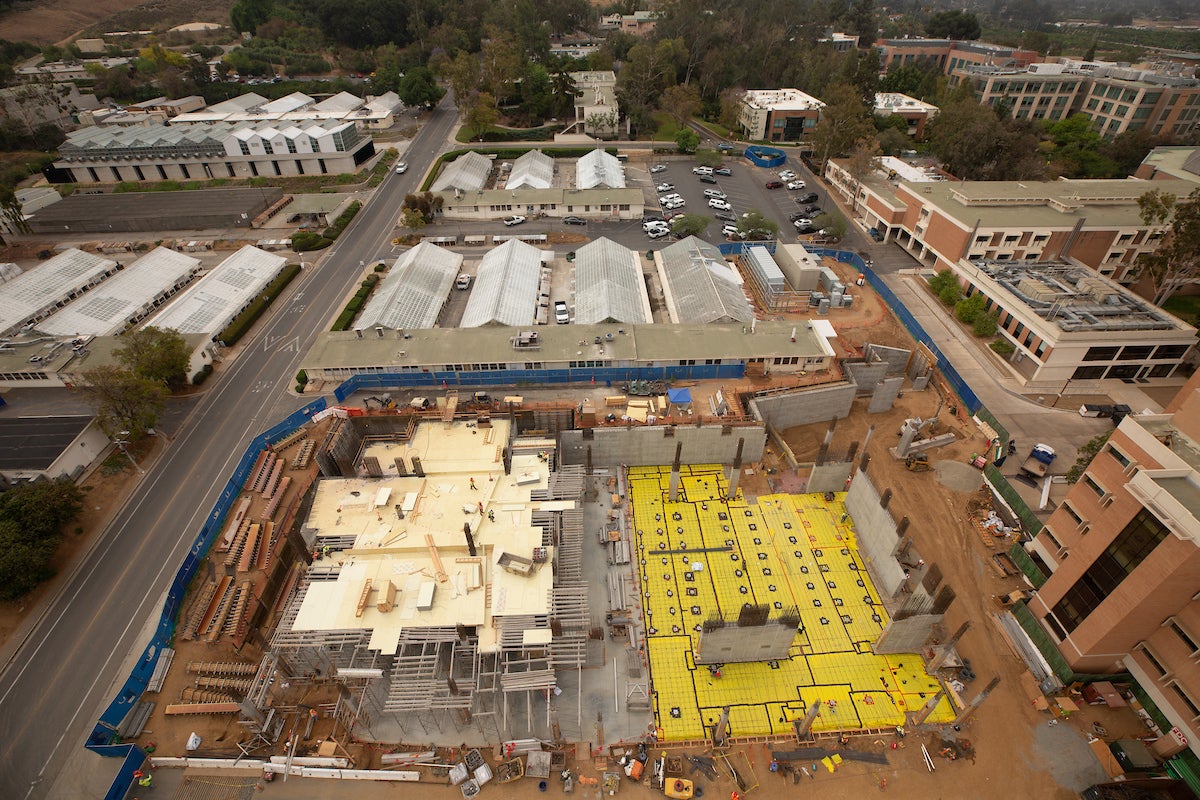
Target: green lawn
[(1184, 306)]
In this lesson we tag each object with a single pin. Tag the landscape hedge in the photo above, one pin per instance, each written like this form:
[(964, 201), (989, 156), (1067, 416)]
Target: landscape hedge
[(236, 329)]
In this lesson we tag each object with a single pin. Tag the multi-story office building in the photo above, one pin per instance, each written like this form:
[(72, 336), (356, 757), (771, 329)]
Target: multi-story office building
[(778, 115), (1123, 557), (950, 54)]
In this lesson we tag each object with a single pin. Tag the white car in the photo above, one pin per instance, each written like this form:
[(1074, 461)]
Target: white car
[(510, 221), (787, 175), (803, 222), (561, 316), (717, 193), (796, 185), (671, 205), (719, 205), (658, 233), (657, 168), (651, 224), (402, 168), (664, 187), (731, 232), (702, 170)]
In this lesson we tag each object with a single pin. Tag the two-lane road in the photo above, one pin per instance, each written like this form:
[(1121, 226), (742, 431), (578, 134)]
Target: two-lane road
[(51, 690)]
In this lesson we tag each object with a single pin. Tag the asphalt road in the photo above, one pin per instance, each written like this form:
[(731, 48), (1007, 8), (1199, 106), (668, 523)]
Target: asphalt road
[(51, 689)]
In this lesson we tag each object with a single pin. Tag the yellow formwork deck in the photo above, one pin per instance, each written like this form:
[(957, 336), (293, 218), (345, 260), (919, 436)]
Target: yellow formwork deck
[(788, 551)]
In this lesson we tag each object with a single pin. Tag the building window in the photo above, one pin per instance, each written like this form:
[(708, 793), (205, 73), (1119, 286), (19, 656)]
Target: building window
[(1171, 351), (1187, 640), (1087, 373), (1125, 554), (1139, 352), (1072, 513), (1185, 699), (245, 147), (1101, 353), (1120, 457), (1154, 662), (1095, 487)]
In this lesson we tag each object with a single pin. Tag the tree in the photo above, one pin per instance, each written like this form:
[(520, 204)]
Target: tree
[(731, 108), (1176, 262), (985, 325), (689, 224), (953, 25), (247, 15), (425, 205), (831, 224), (753, 225), (463, 75), (156, 354), (24, 561), (945, 285), (844, 121), (863, 160), (564, 91), (10, 209), (32, 518), (687, 140), (680, 102), (1085, 456), (970, 308), (418, 87), (974, 144), (123, 401), (480, 112), (602, 123), (412, 219), (500, 64)]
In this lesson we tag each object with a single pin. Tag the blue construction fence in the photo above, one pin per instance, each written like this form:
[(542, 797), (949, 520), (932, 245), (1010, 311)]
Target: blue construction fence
[(103, 739), (965, 394), (528, 377), (763, 156)]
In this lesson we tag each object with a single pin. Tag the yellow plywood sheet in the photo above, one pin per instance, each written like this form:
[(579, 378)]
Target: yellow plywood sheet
[(705, 555)]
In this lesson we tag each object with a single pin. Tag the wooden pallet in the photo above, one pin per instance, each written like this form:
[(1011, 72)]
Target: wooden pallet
[(984, 534)]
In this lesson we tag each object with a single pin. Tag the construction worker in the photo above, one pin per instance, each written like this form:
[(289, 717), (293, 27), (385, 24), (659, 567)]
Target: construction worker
[(472, 482), (491, 515)]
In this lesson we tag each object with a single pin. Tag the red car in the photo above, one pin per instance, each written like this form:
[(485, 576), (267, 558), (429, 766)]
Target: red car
[(774, 184)]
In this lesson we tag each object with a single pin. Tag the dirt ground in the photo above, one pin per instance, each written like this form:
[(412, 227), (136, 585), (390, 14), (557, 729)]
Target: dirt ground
[(53, 21)]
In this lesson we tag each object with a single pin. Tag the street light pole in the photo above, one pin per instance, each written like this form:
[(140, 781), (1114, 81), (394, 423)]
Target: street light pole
[(122, 443)]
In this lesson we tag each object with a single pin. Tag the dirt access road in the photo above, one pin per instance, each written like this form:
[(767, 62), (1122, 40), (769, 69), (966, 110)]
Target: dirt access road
[(54, 21)]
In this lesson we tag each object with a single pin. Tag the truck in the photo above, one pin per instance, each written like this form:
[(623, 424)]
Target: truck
[(1039, 461)]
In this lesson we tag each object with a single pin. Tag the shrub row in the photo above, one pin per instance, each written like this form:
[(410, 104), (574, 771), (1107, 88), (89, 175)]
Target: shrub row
[(356, 303), (201, 376), (242, 322), (307, 240), (339, 224)]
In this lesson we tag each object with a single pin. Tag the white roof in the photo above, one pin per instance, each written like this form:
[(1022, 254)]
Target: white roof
[(700, 286), (292, 102), (895, 103), (209, 305), (506, 287), (342, 101), (467, 172), (239, 103), (781, 100), (534, 170), (42, 287), (609, 285), (599, 168), (413, 293), (108, 309)]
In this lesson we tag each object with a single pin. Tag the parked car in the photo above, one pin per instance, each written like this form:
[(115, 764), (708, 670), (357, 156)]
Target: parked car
[(725, 216), (658, 233), (574, 221), (702, 170), (707, 179), (774, 184), (725, 147), (731, 232), (812, 211), (787, 175), (794, 185), (560, 313), (719, 205), (804, 230), (674, 204), (402, 168), (804, 222), (657, 168), (664, 187), (650, 224), (463, 281), (811, 197), (717, 193), (876, 234), (510, 221), (726, 171)]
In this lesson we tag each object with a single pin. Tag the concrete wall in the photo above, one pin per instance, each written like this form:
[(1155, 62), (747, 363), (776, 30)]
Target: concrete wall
[(829, 477), (865, 375), (648, 446), (895, 357), (804, 407), (906, 635), (733, 643), (876, 534), (885, 395)]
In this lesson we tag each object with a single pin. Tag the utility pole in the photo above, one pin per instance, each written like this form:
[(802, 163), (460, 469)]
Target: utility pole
[(122, 442)]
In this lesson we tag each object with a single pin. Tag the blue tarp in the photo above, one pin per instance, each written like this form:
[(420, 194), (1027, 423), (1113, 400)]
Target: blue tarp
[(679, 396)]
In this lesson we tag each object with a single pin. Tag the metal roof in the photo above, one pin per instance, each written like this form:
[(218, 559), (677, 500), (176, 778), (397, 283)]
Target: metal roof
[(109, 308), (38, 290), (468, 171), (534, 170), (609, 286), (700, 286), (35, 443), (413, 293), (506, 287), (209, 305), (599, 168)]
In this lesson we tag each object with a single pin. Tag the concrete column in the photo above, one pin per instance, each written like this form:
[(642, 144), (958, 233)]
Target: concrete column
[(974, 704), (943, 651), (803, 726), (902, 526), (927, 709), (736, 471), (885, 498), (823, 452), (674, 493)]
